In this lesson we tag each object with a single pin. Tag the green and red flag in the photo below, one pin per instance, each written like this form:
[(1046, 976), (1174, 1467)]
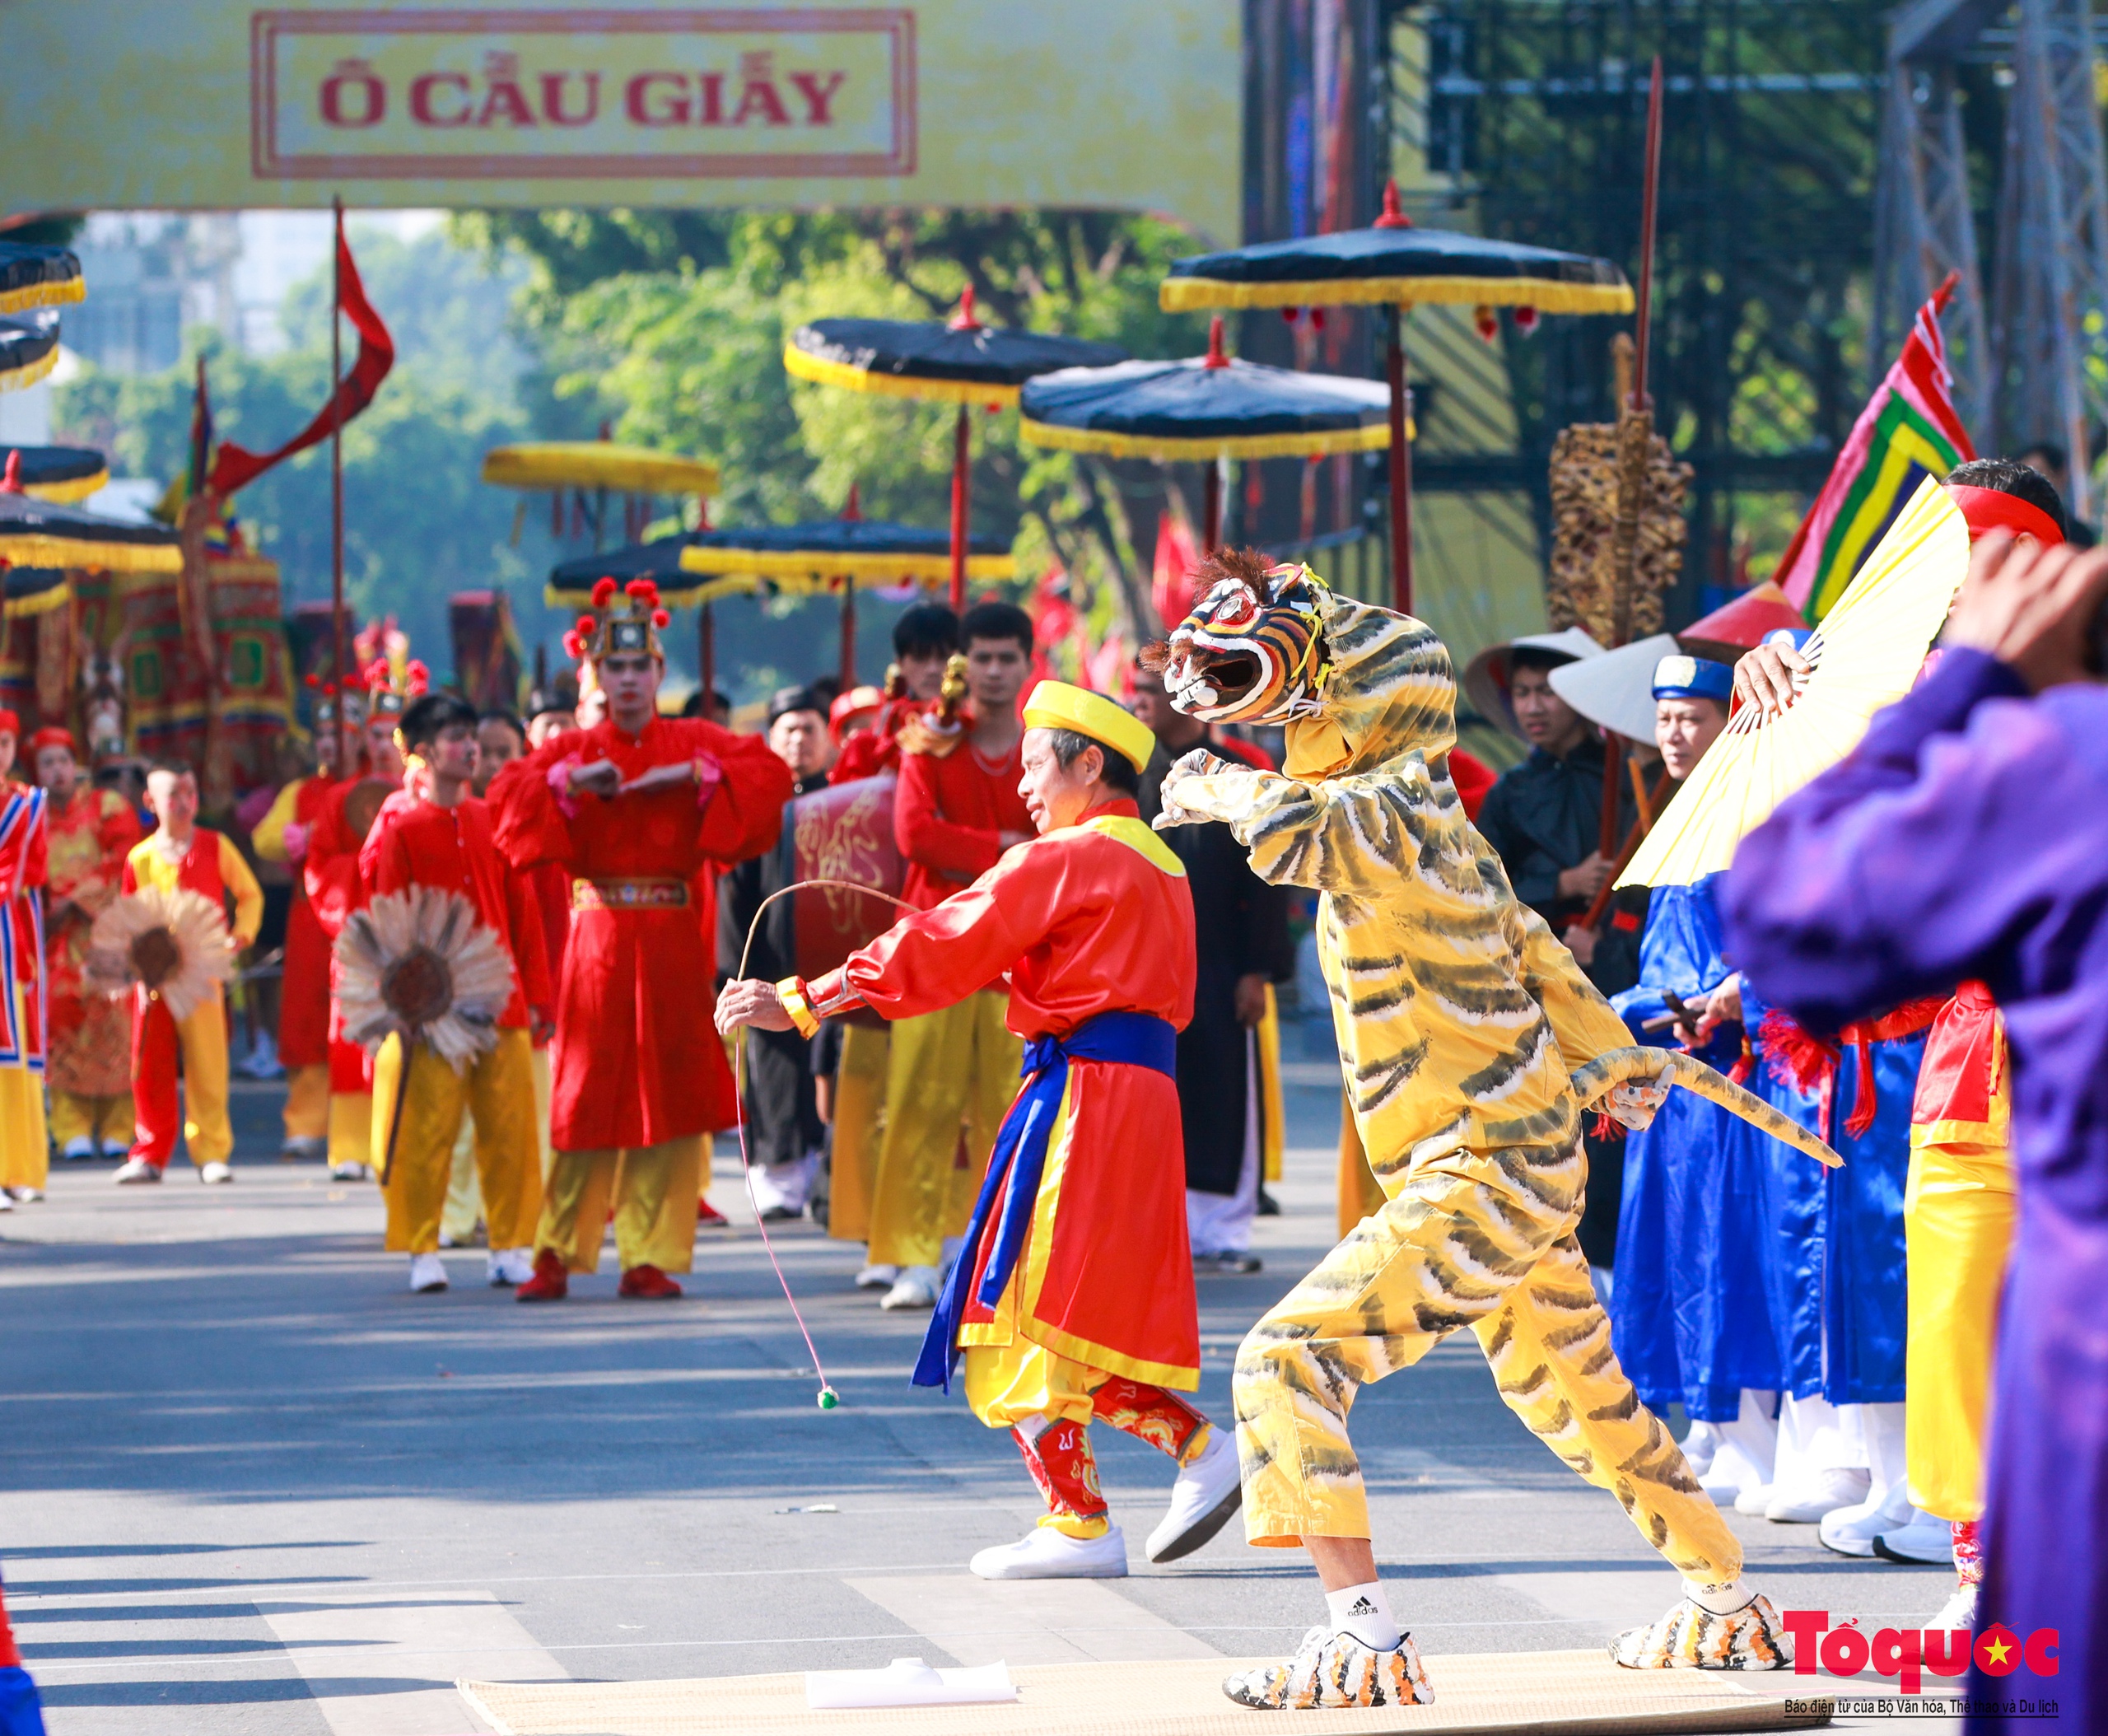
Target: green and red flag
[(1909, 430)]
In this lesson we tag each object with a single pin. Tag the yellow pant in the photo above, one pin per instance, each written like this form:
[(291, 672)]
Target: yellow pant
[(105, 1121), (946, 1072), (654, 1189), (498, 1088), (24, 1148), (542, 1088), (1958, 1210), (1360, 1192), (351, 1127), (1470, 1240), (464, 1200), (859, 1128), (307, 1102)]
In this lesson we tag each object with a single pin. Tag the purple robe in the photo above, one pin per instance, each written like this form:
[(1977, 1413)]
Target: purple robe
[(1967, 836)]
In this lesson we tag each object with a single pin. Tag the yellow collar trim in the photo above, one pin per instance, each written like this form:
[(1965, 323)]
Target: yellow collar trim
[(1136, 834)]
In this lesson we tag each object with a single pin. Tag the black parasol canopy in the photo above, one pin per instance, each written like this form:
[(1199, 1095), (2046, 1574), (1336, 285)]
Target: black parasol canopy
[(34, 276), (62, 473)]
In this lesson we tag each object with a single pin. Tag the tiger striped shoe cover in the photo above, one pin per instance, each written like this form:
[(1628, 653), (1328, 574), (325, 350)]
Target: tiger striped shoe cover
[(1690, 1637), (1334, 1669)]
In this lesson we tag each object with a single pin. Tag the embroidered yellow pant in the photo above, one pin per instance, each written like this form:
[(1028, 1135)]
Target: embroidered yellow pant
[(946, 1072), (858, 1129), (498, 1090), (25, 1149), (1474, 1240), (653, 1190), (307, 1101), (105, 1120), (1958, 1210)]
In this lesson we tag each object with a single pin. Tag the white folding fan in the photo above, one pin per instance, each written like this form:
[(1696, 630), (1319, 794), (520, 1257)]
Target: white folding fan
[(1866, 655)]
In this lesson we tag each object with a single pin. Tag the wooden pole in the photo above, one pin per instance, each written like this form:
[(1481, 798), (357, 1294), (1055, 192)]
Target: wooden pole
[(344, 768), (961, 438), (1211, 508), (1402, 467), (707, 656), (848, 632)]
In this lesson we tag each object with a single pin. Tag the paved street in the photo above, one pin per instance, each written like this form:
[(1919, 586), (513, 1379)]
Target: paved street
[(249, 1483)]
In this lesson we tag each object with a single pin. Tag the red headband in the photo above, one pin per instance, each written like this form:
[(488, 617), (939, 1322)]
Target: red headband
[(53, 737), (1992, 508)]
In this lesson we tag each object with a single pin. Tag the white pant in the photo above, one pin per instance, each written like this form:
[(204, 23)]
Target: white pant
[(783, 1184)]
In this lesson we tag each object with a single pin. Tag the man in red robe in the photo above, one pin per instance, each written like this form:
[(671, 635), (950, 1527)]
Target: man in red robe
[(924, 639), (283, 836), (631, 808), (1073, 1297)]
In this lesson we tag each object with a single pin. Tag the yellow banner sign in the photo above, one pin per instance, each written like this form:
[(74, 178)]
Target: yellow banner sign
[(194, 104)]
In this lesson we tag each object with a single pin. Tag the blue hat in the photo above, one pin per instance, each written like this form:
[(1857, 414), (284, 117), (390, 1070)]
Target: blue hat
[(1796, 636), (1693, 678)]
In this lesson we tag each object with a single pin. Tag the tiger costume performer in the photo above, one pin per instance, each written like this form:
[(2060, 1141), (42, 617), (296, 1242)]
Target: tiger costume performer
[(1462, 1022)]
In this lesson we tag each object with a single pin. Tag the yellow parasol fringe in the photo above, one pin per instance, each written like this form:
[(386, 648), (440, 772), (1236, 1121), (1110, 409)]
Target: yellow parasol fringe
[(72, 489), (1192, 295), (869, 568), (42, 294), (1375, 438), (797, 363), (34, 548), (13, 380), (598, 464)]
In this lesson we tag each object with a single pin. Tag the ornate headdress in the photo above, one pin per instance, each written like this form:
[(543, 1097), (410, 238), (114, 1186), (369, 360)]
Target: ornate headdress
[(325, 703), (622, 621), (387, 693)]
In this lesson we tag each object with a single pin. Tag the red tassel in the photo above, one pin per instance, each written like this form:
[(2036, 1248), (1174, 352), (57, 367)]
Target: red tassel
[(1865, 1102), (1795, 1055), (1608, 1127)]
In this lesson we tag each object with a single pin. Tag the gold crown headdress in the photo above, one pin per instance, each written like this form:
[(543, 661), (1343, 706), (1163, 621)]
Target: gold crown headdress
[(625, 620)]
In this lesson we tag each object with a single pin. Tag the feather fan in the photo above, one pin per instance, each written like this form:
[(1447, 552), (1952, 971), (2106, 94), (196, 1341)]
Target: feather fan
[(420, 965)]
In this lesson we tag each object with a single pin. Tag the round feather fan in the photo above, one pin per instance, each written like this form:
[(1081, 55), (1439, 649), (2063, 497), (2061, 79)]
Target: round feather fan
[(420, 965), (1867, 656), (174, 944)]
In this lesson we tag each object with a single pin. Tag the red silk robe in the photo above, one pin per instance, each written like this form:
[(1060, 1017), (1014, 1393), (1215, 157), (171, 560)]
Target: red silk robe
[(637, 1058), (1092, 919), (22, 850), (330, 877), (948, 814), (304, 991), (90, 1032)]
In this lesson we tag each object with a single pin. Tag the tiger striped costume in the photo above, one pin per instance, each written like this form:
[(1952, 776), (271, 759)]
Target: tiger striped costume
[(1460, 1021)]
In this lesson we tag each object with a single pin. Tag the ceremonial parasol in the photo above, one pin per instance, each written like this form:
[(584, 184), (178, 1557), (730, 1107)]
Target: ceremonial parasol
[(30, 591), (959, 361), (597, 467), (1394, 263), (1867, 655), (29, 348), (419, 966), (1207, 409), (33, 275), (175, 944), (39, 533), (62, 474)]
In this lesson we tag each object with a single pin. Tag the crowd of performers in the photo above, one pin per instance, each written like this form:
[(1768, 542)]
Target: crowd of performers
[(1097, 904)]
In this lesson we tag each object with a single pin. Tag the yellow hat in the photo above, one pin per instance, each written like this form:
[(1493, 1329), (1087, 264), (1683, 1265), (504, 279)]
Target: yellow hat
[(1055, 705)]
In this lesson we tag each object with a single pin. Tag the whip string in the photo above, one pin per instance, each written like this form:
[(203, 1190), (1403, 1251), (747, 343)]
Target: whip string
[(828, 1397)]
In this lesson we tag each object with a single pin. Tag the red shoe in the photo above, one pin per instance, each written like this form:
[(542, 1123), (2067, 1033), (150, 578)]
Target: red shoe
[(551, 1282), (709, 1216), (647, 1283)]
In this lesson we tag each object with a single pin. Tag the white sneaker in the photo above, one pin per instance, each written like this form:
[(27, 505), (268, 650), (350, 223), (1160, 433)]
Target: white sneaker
[(1755, 1499), (304, 1147), (1699, 1445), (78, 1150), (428, 1271), (917, 1287), (1922, 1540), (213, 1174), (26, 1196), (877, 1277), (1044, 1553), (349, 1172), (1733, 1473), (1207, 1494), (1959, 1611), (7, 1201), (135, 1170), (1852, 1530), (507, 1268), (1806, 1502)]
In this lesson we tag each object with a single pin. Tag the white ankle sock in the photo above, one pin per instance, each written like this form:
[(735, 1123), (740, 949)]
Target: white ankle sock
[(1365, 1613), (1720, 1600)]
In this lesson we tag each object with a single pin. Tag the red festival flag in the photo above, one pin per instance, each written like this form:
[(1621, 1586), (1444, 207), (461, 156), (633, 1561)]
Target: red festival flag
[(236, 465)]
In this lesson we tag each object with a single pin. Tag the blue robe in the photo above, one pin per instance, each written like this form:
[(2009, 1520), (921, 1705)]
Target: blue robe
[(1967, 836), (1693, 1311)]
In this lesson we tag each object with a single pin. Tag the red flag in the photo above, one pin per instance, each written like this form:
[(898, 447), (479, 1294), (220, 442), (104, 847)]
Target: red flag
[(236, 465)]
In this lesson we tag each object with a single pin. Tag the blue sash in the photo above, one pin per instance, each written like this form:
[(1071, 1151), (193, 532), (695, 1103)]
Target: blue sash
[(1015, 1167)]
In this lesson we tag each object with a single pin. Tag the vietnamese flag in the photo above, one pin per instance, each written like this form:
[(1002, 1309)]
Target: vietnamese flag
[(236, 465)]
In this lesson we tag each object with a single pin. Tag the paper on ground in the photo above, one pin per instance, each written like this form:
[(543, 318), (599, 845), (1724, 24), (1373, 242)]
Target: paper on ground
[(907, 1682)]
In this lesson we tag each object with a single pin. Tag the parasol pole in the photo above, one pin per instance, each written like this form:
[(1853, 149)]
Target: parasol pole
[(1393, 217), (960, 438), (848, 632), (1211, 508), (707, 654), (1636, 433), (337, 493)]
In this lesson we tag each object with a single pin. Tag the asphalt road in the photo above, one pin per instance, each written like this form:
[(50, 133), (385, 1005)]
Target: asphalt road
[(249, 1483)]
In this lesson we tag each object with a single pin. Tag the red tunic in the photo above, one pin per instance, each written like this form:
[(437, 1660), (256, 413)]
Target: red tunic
[(947, 813), (637, 1058), (876, 750), (330, 877), (454, 849), (304, 992), (1962, 1096), (1092, 918), (90, 1034)]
